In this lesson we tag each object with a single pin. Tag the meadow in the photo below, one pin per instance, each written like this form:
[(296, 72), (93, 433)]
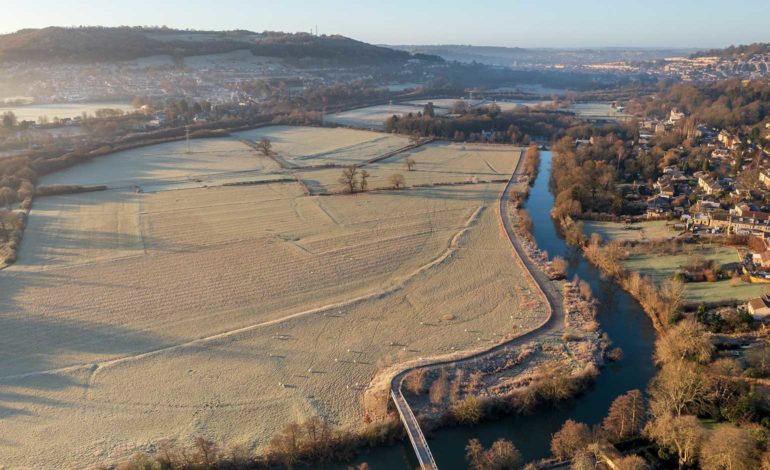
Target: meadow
[(227, 311), (33, 112)]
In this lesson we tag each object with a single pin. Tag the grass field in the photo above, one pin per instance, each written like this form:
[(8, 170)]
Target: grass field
[(663, 266), (62, 110), (372, 117), (594, 110), (313, 146), (229, 311), (436, 163), (639, 231), (206, 161)]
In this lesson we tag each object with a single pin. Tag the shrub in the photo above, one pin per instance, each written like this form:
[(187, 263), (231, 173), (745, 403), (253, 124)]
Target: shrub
[(469, 411)]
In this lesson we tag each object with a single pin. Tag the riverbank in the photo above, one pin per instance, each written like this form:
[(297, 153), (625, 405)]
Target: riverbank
[(549, 364), (619, 316)]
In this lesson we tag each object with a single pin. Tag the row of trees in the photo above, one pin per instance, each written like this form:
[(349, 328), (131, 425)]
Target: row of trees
[(518, 126), (313, 442)]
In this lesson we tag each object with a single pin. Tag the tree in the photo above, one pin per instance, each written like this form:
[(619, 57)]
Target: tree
[(625, 417), (397, 180), (364, 183), (429, 110), (583, 460), (349, 179), (206, 452), (572, 438), (532, 160), (265, 146), (730, 448), (631, 462), (439, 387), (687, 341), (672, 293), (410, 163), (680, 388), (9, 120), (468, 411), (7, 196), (681, 434), (285, 446), (501, 455)]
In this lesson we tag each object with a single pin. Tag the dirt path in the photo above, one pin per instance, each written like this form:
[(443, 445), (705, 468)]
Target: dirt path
[(552, 326)]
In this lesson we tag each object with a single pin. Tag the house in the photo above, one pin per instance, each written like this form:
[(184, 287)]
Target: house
[(658, 206), (707, 183), (675, 116), (761, 259), (728, 139), (665, 186), (764, 178), (748, 212), (759, 307), (720, 154)]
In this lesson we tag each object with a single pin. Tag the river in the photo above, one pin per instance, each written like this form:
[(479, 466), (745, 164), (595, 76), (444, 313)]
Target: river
[(620, 316)]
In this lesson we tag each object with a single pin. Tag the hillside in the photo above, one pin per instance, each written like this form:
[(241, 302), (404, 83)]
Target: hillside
[(537, 57), (97, 44), (736, 52)]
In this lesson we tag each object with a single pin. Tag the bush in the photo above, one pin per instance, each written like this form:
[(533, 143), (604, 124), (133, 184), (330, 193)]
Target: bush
[(572, 438), (469, 411)]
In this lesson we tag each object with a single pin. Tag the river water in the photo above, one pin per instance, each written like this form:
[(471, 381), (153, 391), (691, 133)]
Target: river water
[(619, 315)]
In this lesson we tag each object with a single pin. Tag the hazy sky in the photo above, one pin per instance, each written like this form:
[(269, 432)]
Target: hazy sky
[(526, 23)]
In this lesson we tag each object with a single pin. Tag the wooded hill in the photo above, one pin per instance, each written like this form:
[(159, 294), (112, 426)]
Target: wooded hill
[(101, 44), (736, 52)]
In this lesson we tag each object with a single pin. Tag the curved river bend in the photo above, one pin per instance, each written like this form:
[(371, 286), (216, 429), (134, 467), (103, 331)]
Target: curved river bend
[(620, 316)]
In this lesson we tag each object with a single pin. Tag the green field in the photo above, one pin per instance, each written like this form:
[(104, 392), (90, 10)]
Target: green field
[(662, 266), (639, 231)]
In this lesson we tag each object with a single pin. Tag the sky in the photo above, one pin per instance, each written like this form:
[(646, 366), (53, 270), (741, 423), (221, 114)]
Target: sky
[(511, 23)]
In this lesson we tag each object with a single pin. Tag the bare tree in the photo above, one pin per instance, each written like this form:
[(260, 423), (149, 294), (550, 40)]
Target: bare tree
[(559, 266), (364, 183), (672, 293), (285, 446), (625, 417), (265, 146), (680, 388), (206, 452), (349, 179), (729, 447), (397, 180), (438, 388), (687, 341), (410, 164), (501, 455), (631, 462), (457, 383), (572, 438), (415, 381), (681, 434), (583, 460)]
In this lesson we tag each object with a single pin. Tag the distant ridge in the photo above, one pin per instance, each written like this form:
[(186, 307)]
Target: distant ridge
[(103, 44), (736, 52)]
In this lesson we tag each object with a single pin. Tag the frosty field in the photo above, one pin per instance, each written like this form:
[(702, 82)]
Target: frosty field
[(373, 117), (33, 112), (436, 163), (229, 311), (314, 146), (171, 164)]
